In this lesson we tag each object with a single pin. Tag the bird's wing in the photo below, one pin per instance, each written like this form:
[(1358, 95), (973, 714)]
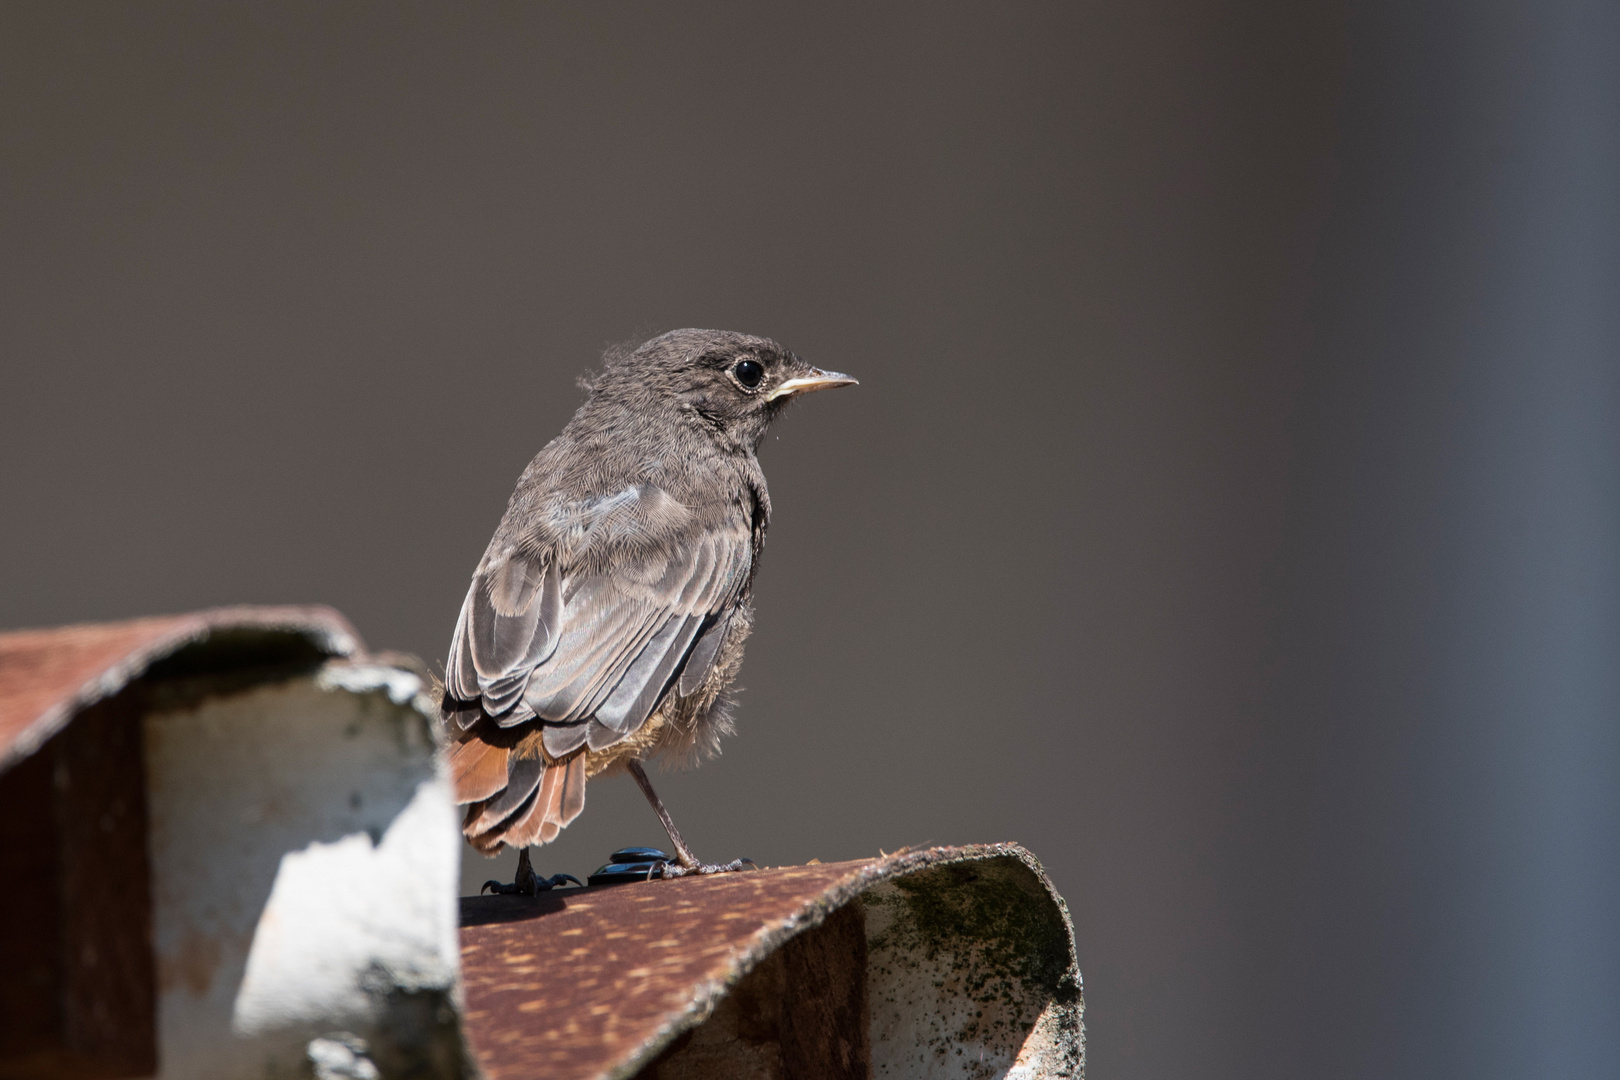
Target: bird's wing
[(590, 640), (508, 625)]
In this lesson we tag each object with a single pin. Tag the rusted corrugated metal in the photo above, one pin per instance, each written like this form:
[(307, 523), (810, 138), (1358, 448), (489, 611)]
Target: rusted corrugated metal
[(273, 816), (942, 962), (596, 982), (48, 675)]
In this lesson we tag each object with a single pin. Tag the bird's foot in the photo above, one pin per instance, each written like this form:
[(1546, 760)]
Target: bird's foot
[(685, 862), (526, 882), (534, 886), (675, 869)]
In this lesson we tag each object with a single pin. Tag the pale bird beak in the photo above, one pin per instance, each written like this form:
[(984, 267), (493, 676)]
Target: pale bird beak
[(809, 384)]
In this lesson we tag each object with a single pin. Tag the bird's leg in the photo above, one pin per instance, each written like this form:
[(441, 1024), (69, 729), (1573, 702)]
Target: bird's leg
[(526, 882), (683, 854), (686, 862)]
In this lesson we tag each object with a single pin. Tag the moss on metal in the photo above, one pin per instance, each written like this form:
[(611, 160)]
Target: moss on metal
[(985, 941)]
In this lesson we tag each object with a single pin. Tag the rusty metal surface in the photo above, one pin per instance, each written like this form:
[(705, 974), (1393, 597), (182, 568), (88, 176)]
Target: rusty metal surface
[(48, 675), (594, 982)]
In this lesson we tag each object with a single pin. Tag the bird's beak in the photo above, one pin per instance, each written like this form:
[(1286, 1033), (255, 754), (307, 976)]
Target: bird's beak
[(809, 384)]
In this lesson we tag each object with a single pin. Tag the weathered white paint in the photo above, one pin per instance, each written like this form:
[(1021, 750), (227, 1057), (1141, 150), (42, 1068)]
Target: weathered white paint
[(305, 856)]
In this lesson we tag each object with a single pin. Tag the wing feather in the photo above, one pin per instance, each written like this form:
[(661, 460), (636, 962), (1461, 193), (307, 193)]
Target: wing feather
[(507, 628), (701, 658), (591, 641)]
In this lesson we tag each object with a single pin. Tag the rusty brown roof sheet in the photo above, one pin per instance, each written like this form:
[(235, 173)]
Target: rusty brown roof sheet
[(593, 983), (48, 675)]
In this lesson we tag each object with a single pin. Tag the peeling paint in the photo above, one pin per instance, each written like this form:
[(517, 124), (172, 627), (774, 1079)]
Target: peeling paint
[(305, 861)]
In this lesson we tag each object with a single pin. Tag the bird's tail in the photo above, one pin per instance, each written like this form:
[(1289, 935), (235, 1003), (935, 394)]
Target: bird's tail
[(515, 795)]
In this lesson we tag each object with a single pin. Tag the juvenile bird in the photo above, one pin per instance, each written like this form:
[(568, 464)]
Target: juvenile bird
[(606, 620)]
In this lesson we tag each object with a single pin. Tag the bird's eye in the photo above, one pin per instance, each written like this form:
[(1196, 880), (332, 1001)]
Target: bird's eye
[(749, 372)]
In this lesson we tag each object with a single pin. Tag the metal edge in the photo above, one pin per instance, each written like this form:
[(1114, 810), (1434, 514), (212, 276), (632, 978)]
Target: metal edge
[(324, 626), (707, 996)]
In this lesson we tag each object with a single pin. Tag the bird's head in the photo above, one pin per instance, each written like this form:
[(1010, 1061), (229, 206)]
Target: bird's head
[(734, 383)]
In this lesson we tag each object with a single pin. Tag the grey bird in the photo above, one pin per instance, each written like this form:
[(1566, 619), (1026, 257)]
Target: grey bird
[(605, 623)]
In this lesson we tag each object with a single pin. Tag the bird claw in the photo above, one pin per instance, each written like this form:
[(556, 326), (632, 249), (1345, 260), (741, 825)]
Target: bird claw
[(535, 885), (675, 870), (526, 882)]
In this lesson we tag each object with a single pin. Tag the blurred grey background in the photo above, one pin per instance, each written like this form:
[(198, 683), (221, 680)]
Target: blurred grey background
[(1229, 510)]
